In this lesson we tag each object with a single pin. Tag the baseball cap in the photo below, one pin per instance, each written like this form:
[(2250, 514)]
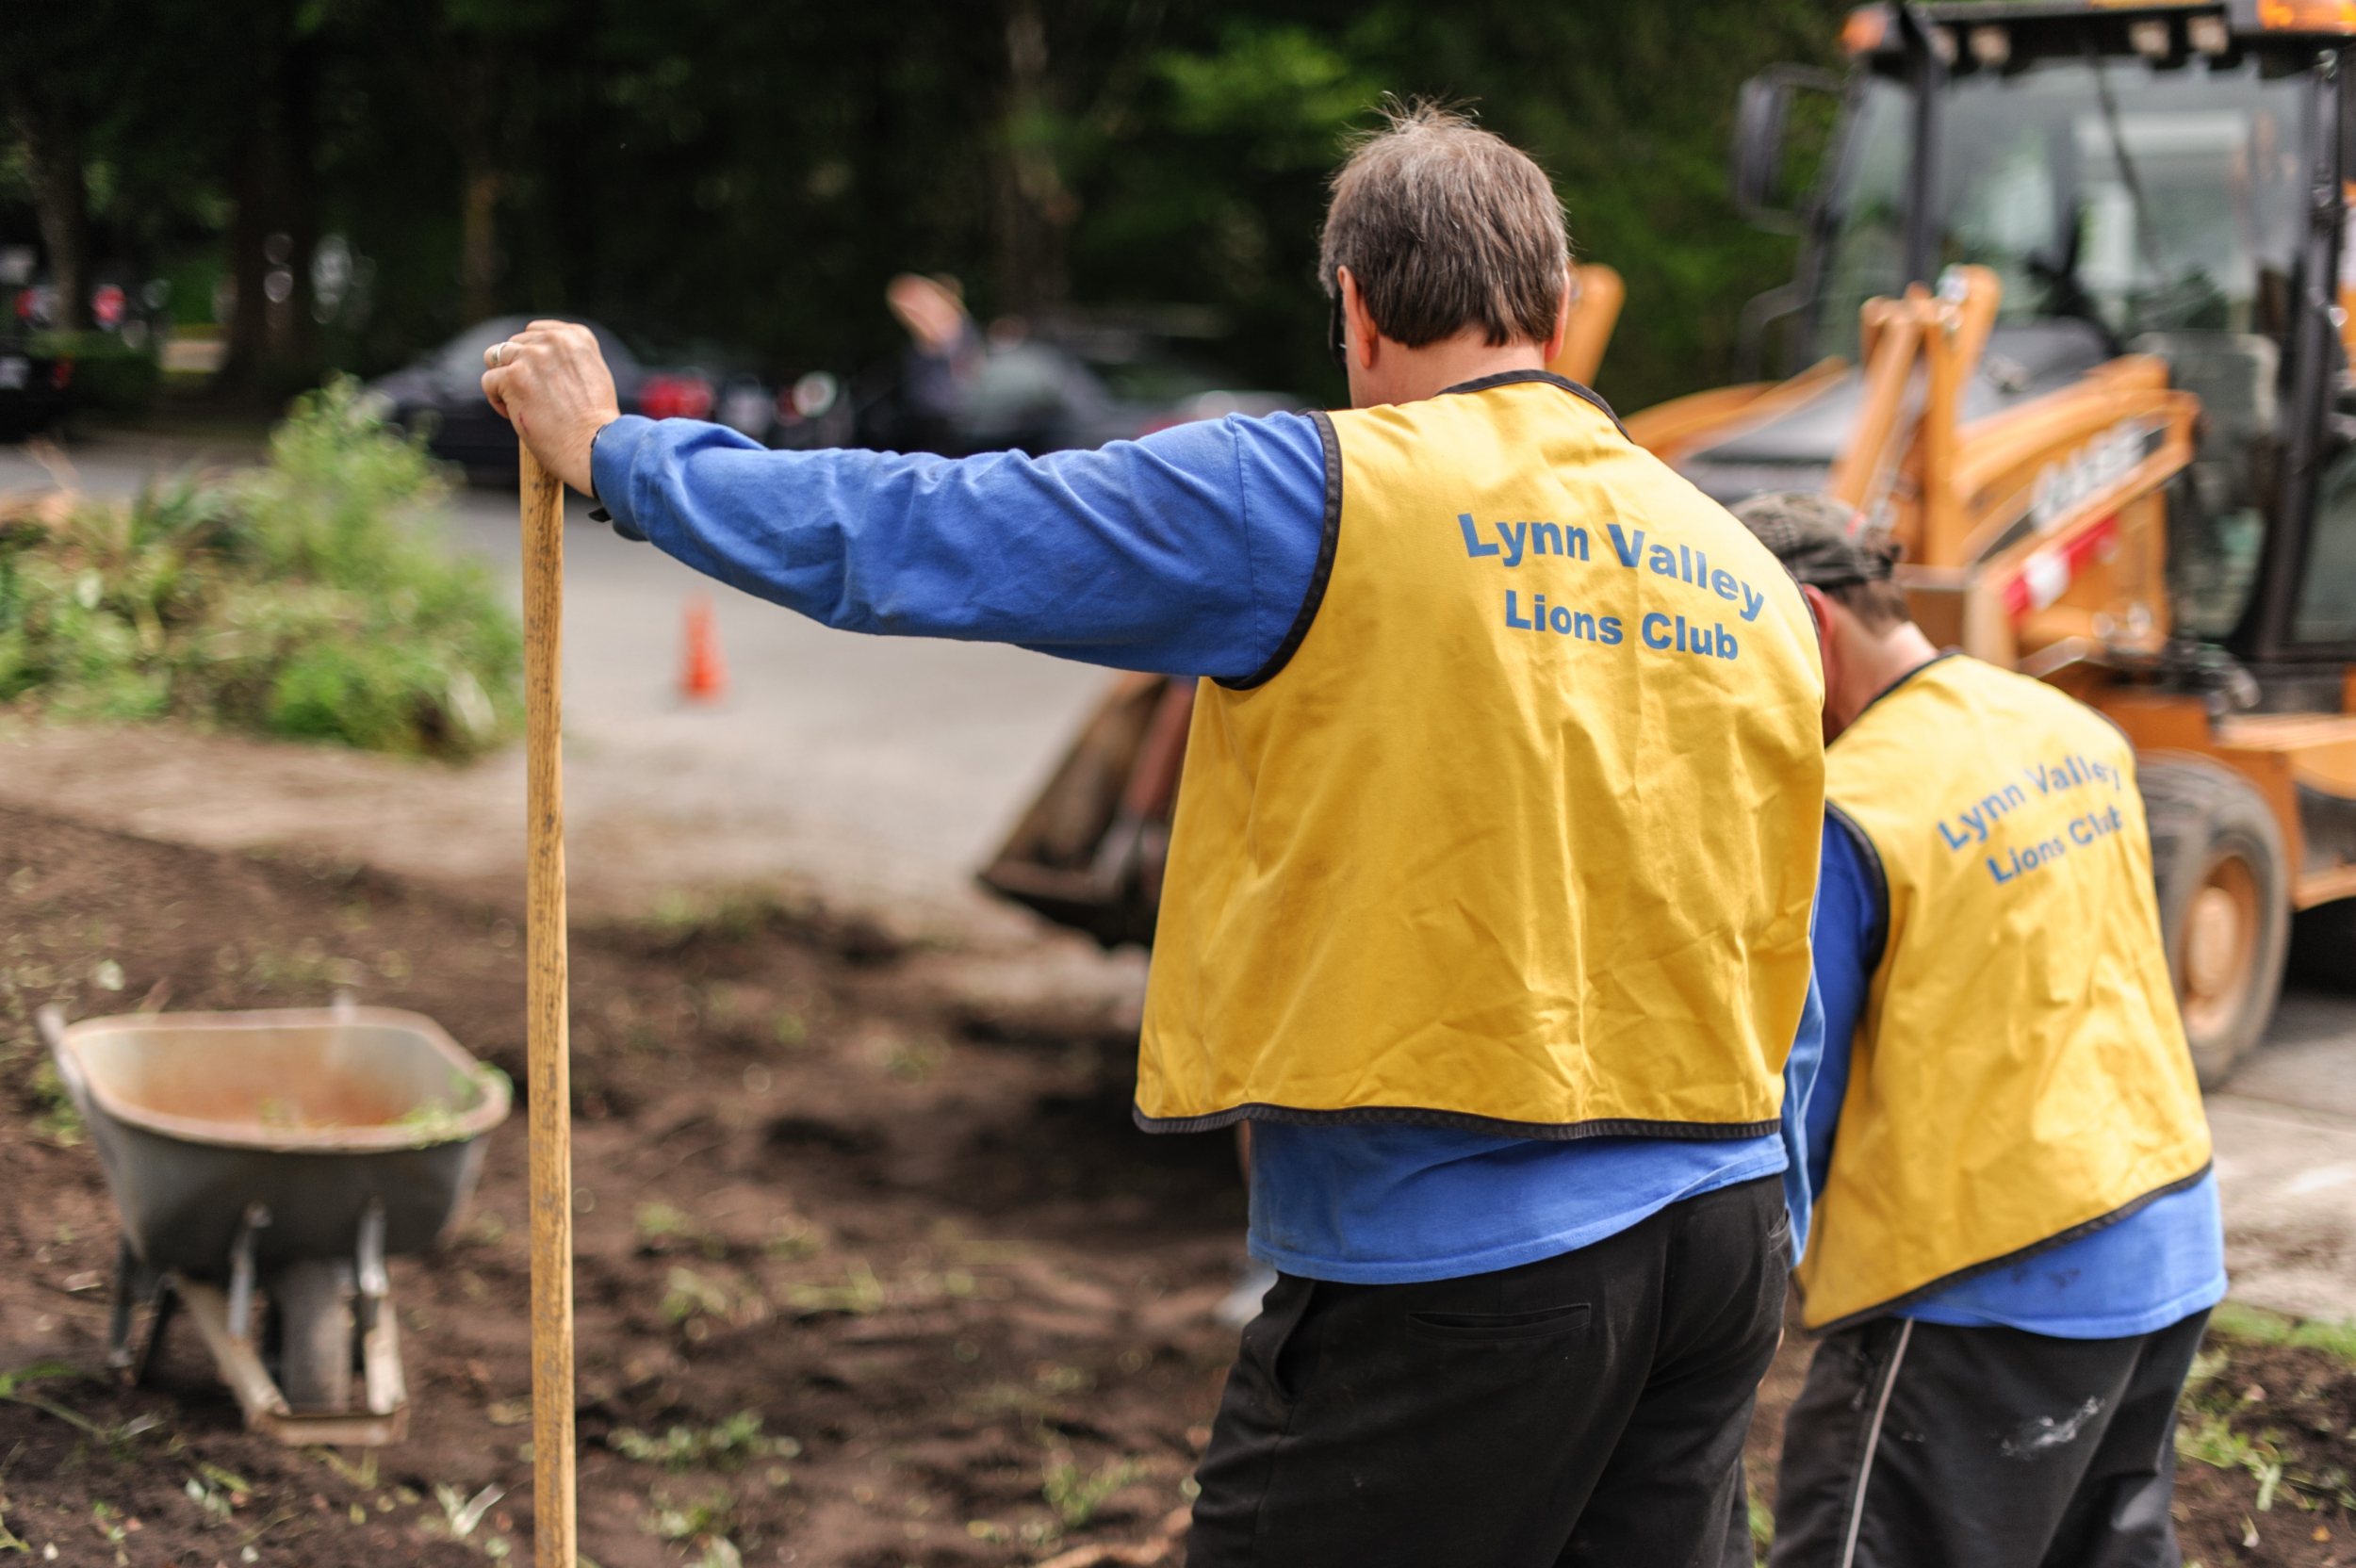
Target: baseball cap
[(1820, 540)]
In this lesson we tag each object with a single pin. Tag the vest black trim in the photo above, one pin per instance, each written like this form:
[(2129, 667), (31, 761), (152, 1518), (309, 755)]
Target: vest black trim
[(1947, 1282), (1509, 378), (1879, 942), (1324, 569), (1411, 1115)]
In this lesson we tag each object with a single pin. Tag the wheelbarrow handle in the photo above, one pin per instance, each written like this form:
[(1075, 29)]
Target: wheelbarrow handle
[(50, 1020)]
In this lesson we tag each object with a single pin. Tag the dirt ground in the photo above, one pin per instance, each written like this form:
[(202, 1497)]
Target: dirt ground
[(867, 1277)]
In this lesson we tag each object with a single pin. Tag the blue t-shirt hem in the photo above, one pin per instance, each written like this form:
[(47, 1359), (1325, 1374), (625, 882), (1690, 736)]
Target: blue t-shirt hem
[(2112, 1326), (1419, 1270)]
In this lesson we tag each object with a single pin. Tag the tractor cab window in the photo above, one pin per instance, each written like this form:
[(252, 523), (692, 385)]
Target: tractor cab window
[(2144, 209), (2111, 191)]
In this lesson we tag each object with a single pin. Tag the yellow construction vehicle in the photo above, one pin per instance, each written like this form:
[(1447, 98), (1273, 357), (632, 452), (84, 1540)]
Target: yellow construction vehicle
[(2071, 288), (2073, 322)]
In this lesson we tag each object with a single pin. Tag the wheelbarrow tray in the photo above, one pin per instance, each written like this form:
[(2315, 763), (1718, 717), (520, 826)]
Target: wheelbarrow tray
[(314, 1114)]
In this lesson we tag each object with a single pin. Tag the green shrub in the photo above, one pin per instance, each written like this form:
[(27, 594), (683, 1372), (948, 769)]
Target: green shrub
[(310, 597)]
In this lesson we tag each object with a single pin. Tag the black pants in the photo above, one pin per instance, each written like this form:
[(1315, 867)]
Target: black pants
[(1922, 1446), (1585, 1409)]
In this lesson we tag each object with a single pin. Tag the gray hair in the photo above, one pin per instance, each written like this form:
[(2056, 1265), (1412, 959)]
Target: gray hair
[(1446, 226)]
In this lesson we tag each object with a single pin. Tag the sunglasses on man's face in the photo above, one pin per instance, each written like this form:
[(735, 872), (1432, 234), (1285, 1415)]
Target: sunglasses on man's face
[(1335, 342)]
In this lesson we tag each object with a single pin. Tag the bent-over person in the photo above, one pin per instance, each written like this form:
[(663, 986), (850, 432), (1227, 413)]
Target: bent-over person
[(2016, 1241)]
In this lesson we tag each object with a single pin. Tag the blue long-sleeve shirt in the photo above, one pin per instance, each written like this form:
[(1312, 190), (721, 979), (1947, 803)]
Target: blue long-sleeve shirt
[(2159, 1265), (1189, 552)]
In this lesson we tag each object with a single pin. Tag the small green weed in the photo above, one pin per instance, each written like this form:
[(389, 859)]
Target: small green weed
[(732, 1444), (859, 1293), (461, 1513), (55, 1119), (662, 1228), (689, 1296), (705, 1519), (1074, 1494)]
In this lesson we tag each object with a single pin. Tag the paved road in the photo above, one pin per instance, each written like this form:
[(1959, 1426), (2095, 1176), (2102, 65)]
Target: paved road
[(889, 768), (892, 765)]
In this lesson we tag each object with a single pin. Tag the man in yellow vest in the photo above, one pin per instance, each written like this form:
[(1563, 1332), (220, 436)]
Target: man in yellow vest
[(1489, 888), (2016, 1240)]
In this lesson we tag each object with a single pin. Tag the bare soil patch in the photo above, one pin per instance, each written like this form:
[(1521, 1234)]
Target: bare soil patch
[(907, 1288), (864, 1279)]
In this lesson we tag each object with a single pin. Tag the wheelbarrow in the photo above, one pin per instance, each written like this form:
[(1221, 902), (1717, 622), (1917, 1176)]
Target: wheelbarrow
[(286, 1153)]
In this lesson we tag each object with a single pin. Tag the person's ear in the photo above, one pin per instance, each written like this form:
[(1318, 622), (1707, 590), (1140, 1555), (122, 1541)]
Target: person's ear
[(1552, 350), (1820, 611), (1360, 334)]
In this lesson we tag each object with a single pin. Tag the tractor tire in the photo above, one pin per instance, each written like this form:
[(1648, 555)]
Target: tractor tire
[(311, 1302), (2224, 890)]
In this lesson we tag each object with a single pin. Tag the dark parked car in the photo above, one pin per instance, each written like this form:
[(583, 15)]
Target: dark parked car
[(441, 396), (36, 389), (1053, 393)]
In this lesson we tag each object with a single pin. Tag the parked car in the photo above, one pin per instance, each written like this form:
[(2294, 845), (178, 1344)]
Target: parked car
[(36, 388), (441, 396), (1069, 390)]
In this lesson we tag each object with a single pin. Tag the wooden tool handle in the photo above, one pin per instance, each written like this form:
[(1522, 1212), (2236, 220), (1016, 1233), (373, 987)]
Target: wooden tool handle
[(549, 1094)]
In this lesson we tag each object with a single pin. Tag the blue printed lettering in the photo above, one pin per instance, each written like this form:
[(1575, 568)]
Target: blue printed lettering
[(1650, 641), (1611, 625), (1953, 842), (1581, 626), (1626, 549), (1972, 819), (1540, 533), (1680, 635), (1728, 647), (1514, 539), (1511, 619), (2022, 861), (1753, 602), (1472, 536), (1662, 562), (1722, 584), (2095, 824), (1538, 613), (1574, 542)]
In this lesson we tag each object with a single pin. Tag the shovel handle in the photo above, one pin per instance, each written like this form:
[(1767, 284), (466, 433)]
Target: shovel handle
[(549, 1072)]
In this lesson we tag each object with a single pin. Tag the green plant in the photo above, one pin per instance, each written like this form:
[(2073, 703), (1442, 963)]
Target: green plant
[(461, 1513), (688, 1295), (704, 1519), (311, 597), (660, 1227), (1763, 1520), (859, 1293), (1074, 1494), (724, 1446), (55, 1119)]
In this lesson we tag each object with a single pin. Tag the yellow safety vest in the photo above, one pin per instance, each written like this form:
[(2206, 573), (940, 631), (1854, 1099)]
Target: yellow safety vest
[(2019, 1076), (1522, 836)]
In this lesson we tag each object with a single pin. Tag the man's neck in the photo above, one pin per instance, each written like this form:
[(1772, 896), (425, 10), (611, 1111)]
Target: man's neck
[(1404, 375), (1873, 670)]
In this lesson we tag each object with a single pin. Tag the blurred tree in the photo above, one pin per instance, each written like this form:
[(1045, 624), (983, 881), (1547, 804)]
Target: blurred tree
[(718, 178), (56, 79)]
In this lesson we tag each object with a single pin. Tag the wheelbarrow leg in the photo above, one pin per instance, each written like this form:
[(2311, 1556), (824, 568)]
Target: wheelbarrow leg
[(135, 1279), (241, 1271)]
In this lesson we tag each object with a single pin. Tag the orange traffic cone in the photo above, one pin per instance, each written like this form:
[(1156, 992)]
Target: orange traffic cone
[(705, 675)]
